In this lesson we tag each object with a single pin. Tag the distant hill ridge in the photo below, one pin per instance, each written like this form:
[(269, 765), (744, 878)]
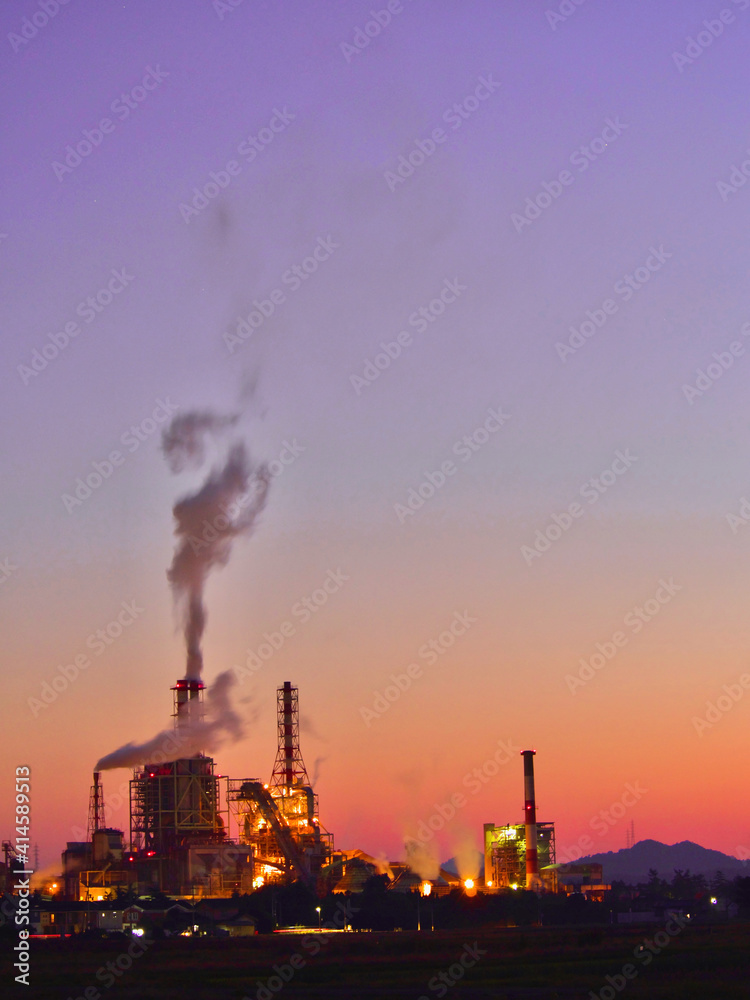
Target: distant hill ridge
[(632, 864)]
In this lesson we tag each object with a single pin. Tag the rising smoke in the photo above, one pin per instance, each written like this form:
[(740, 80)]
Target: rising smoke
[(466, 854), (184, 441), (219, 724), (317, 765), (383, 866), (307, 727), (206, 523), (422, 858)]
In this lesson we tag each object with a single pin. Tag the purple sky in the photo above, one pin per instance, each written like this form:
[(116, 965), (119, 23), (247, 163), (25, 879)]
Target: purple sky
[(341, 122)]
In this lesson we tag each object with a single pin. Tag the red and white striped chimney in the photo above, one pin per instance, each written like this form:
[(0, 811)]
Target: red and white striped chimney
[(533, 880)]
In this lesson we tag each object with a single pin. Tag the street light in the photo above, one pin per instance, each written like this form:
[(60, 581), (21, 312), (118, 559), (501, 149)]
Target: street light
[(317, 908)]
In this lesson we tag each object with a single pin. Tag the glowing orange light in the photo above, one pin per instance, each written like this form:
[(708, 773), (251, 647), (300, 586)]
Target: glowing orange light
[(469, 883)]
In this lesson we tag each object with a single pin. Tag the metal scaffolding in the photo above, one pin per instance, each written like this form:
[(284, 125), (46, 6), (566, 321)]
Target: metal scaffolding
[(174, 804), (280, 820), (505, 847)]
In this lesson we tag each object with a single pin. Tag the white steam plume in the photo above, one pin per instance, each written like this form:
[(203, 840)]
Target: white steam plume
[(422, 859), (219, 724), (383, 866), (467, 854)]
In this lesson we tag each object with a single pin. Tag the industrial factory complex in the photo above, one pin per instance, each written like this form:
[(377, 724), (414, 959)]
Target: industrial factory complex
[(195, 834)]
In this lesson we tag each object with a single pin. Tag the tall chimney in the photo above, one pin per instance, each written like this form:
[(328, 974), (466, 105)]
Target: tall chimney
[(288, 725), (187, 700), (532, 862), (96, 808), (97, 819), (289, 769)]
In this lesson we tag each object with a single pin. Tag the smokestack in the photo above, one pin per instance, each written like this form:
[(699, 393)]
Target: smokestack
[(96, 808), (198, 727), (206, 524), (188, 701), (532, 862), (289, 768), (288, 710)]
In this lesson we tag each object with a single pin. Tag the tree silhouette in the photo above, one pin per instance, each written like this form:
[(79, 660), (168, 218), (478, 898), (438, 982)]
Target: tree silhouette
[(687, 886)]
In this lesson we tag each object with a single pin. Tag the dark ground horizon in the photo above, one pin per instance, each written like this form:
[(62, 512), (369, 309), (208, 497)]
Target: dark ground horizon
[(572, 962)]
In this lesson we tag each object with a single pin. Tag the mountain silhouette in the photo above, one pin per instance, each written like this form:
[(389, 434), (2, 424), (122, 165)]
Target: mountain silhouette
[(632, 864)]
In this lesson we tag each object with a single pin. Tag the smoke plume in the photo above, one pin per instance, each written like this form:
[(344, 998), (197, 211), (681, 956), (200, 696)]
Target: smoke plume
[(383, 866), (317, 764), (46, 874), (193, 735), (307, 727), (184, 441), (422, 859), (207, 522), (467, 855)]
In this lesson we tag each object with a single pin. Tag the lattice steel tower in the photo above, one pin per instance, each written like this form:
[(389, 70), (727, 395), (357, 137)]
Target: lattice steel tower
[(289, 768)]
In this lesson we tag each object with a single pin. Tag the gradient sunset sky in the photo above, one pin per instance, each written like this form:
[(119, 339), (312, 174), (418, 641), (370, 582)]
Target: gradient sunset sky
[(532, 91)]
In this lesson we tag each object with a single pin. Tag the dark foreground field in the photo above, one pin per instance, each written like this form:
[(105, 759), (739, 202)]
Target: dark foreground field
[(700, 963)]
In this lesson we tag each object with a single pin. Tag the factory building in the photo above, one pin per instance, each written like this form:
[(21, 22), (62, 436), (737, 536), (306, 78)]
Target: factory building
[(571, 879), (505, 853), (10, 867), (515, 853), (194, 833), (280, 821), (180, 811)]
